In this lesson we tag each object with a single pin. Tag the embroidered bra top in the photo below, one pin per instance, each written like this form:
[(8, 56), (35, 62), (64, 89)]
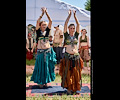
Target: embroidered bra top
[(83, 40), (71, 40), (43, 38)]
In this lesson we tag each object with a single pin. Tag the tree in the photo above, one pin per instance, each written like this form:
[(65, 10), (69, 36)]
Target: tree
[(87, 5)]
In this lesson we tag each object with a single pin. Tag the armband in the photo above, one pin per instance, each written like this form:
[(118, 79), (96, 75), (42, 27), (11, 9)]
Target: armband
[(61, 36)]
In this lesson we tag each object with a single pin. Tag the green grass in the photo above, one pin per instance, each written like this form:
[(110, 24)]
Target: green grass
[(30, 62), (86, 64), (85, 79), (63, 97)]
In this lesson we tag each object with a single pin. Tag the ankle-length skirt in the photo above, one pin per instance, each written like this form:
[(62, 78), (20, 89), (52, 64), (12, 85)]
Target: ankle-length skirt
[(44, 66), (70, 72)]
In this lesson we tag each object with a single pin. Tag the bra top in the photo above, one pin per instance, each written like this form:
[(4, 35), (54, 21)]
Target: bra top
[(43, 38), (70, 41), (83, 40)]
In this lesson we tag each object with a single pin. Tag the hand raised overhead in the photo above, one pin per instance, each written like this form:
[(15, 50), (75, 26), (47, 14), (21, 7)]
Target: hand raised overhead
[(74, 11), (69, 12), (44, 9)]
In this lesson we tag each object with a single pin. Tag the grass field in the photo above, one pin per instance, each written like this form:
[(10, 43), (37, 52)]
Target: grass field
[(30, 62), (63, 97), (85, 79)]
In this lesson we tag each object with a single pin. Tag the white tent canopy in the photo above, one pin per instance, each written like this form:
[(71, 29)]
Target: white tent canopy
[(57, 10)]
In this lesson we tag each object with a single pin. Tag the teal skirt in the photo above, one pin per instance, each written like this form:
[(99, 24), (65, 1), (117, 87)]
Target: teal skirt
[(44, 66)]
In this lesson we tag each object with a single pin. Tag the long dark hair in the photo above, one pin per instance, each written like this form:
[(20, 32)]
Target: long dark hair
[(71, 25)]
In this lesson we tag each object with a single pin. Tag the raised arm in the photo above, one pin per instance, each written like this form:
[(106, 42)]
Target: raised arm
[(79, 44), (38, 21), (50, 20), (66, 22), (77, 22)]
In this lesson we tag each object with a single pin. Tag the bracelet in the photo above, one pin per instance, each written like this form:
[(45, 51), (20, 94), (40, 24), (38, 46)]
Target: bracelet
[(40, 16)]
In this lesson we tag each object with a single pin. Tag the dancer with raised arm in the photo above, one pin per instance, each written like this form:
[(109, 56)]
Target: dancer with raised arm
[(71, 65), (46, 58)]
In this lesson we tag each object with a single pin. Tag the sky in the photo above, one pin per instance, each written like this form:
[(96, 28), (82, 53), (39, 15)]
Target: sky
[(78, 3)]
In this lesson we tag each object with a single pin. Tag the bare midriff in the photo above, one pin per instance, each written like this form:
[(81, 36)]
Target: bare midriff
[(57, 39), (43, 44), (71, 49), (83, 44)]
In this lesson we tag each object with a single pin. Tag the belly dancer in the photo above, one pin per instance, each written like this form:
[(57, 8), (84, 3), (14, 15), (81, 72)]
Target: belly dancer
[(46, 58), (71, 65)]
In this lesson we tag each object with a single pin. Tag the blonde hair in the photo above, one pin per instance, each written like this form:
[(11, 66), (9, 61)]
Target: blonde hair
[(42, 22)]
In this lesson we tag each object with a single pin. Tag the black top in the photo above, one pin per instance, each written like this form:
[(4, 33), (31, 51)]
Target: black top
[(39, 34)]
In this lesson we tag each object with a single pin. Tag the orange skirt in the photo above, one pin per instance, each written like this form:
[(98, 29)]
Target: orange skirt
[(84, 53), (71, 77)]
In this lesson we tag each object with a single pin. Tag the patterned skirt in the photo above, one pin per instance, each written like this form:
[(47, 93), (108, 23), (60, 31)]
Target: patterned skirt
[(84, 53), (70, 71)]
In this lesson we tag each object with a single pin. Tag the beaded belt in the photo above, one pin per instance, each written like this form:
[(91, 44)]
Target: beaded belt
[(72, 56), (56, 44), (39, 51)]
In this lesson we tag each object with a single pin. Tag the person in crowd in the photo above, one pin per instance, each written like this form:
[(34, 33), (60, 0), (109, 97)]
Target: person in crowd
[(29, 28), (50, 40), (71, 65), (46, 58), (30, 44), (84, 47), (57, 44), (33, 32)]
